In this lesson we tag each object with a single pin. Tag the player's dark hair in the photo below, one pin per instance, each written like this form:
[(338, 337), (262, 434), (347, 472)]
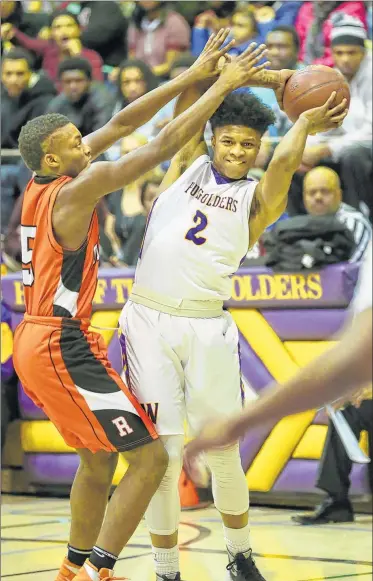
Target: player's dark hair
[(75, 64), (34, 134), (243, 109), (289, 30), (17, 54)]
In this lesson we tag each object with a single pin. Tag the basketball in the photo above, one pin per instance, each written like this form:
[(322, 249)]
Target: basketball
[(311, 87)]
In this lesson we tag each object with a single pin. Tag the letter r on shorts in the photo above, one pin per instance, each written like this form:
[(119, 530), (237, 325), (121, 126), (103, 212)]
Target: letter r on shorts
[(122, 426)]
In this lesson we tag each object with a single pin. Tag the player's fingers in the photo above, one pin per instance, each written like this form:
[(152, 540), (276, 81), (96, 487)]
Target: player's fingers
[(252, 46), (256, 52), (251, 59), (262, 66), (339, 118), (338, 108), (226, 48), (210, 41), (330, 101), (220, 38)]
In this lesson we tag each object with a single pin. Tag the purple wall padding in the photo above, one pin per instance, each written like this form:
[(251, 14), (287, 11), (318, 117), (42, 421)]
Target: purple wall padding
[(27, 408), (300, 476), (302, 325), (114, 354), (57, 469), (258, 377)]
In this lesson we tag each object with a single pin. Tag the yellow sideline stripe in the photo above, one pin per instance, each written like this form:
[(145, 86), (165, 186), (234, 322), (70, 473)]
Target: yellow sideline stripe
[(280, 444), (105, 319)]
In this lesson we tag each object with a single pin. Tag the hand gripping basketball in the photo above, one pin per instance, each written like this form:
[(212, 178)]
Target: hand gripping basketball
[(326, 117)]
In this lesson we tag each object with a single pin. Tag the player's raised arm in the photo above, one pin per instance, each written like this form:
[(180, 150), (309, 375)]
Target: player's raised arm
[(197, 146), (76, 200), (272, 190), (143, 109)]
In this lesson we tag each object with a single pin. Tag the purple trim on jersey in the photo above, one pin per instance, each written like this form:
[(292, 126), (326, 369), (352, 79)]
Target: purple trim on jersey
[(242, 387), (221, 180), (146, 227), (123, 347)]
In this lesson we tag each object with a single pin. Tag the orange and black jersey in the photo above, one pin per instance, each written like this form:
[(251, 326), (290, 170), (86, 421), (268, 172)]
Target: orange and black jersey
[(57, 282)]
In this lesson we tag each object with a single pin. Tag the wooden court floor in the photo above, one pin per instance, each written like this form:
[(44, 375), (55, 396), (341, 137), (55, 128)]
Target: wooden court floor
[(34, 535)]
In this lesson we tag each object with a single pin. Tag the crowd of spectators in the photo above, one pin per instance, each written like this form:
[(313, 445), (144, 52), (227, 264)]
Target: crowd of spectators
[(88, 59)]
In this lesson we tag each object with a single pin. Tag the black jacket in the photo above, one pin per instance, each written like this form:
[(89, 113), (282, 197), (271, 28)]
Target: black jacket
[(88, 114), (106, 30), (306, 242), (16, 112)]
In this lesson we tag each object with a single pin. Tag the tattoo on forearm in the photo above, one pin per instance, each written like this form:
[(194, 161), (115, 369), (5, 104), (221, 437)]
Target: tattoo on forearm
[(269, 79)]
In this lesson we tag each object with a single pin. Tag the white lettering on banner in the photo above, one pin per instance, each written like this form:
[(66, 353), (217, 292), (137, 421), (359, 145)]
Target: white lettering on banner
[(122, 426)]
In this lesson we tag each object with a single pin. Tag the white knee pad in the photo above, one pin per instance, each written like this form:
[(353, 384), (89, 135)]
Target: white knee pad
[(163, 513), (229, 485)]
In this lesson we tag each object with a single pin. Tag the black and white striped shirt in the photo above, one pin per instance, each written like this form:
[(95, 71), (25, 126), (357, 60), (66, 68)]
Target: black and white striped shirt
[(360, 227)]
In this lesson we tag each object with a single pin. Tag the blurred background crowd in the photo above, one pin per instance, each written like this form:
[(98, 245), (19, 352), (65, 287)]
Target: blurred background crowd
[(89, 59)]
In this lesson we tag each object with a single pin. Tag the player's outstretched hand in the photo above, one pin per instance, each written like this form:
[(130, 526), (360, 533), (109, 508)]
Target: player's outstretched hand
[(327, 117), (245, 68), (214, 435), (206, 66)]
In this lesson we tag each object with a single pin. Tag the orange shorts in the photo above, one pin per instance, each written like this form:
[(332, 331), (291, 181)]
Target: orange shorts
[(65, 370)]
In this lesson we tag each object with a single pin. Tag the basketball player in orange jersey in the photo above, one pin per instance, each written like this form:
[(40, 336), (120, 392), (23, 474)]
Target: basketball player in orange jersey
[(63, 366), (335, 374)]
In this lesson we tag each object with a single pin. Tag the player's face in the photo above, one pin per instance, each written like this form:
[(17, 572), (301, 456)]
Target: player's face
[(348, 59), (235, 150), (242, 27), (15, 76), (282, 52), (321, 194), (75, 84), (67, 154), (63, 29), (132, 84)]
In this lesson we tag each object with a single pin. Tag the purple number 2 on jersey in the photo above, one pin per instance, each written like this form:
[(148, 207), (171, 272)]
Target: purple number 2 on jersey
[(201, 220)]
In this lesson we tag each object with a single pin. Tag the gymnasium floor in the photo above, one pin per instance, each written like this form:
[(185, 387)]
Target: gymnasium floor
[(34, 535)]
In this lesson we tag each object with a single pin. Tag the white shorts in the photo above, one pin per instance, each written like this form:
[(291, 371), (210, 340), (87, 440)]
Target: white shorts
[(181, 368)]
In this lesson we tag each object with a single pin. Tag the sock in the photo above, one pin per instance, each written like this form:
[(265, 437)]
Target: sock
[(166, 561), (77, 556), (237, 540), (101, 559)]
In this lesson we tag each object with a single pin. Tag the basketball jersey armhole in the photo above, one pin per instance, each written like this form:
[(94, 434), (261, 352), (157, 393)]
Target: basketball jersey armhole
[(51, 201)]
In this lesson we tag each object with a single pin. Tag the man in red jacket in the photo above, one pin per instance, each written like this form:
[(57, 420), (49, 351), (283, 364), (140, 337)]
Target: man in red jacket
[(65, 42), (314, 25)]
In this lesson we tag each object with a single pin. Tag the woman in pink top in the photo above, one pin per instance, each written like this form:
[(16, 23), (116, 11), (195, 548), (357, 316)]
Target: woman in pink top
[(314, 24), (157, 36), (65, 42)]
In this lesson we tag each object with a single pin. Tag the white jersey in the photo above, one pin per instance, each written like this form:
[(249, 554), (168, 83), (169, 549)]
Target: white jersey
[(197, 235)]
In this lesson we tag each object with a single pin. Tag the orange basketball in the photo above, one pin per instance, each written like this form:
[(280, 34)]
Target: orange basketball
[(311, 87)]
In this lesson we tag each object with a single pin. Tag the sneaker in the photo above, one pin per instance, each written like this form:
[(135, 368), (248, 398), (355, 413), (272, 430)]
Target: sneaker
[(67, 572), (329, 511), (103, 574), (166, 578), (243, 568)]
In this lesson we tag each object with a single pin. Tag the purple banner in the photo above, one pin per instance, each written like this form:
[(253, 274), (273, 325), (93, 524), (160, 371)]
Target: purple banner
[(255, 287)]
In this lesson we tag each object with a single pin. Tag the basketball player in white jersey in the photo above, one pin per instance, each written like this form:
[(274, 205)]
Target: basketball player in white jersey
[(181, 348), (336, 373)]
